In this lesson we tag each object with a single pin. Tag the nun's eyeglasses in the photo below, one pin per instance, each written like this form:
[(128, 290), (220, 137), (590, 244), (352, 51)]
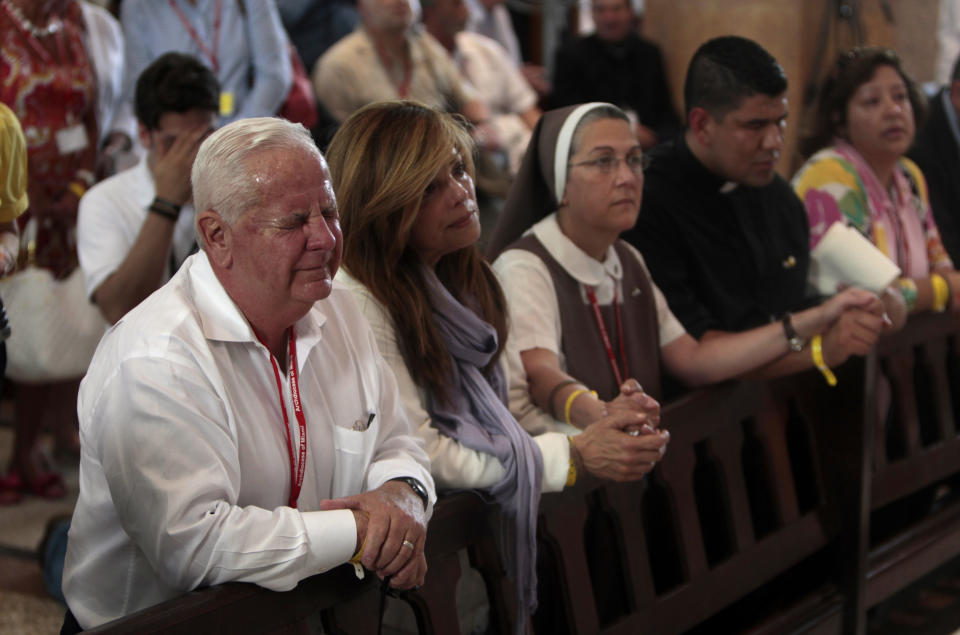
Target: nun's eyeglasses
[(610, 163)]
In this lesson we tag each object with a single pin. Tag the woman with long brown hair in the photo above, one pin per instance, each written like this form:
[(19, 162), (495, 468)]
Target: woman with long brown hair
[(403, 175)]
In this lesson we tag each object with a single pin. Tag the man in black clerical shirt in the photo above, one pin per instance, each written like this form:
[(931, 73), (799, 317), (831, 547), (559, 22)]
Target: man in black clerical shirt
[(723, 235), (618, 66)]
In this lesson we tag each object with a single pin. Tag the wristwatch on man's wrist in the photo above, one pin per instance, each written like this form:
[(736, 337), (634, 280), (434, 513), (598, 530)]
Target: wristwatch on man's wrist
[(794, 341), (417, 488)]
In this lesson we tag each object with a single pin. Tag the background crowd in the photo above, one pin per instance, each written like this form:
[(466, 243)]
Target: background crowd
[(630, 253)]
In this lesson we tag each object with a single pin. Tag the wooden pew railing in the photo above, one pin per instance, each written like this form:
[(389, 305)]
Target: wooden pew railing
[(918, 446), (245, 608), (337, 599), (767, 497), (723, 514)]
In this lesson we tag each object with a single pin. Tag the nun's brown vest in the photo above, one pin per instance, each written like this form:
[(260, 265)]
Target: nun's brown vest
[(580, 337)]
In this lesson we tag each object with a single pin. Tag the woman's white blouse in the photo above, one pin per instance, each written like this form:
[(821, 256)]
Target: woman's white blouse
[(453, 465)]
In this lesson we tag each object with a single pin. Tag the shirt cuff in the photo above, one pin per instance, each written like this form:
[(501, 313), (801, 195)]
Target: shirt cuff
[(331, 537), (555, 450)]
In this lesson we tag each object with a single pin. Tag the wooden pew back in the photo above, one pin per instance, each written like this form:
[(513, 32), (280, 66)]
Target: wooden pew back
[(759, 476)]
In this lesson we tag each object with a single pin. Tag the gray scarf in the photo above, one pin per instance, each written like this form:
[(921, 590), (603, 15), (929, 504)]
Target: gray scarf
[(477, 417)]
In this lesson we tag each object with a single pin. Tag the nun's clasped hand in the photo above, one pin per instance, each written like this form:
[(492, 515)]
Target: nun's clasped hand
[(607, 450)]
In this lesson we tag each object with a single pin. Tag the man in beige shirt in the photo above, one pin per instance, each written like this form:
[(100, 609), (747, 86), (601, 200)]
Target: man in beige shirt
[(386, 58)]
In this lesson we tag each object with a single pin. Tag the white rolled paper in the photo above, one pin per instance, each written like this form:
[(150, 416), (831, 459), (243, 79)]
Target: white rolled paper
[(844, 256)]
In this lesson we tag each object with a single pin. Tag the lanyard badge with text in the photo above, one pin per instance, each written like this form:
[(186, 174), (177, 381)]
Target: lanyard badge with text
[(296, 466)]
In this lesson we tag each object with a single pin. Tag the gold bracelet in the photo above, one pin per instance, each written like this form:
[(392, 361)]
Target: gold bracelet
[(572, 470), (816, 350), (78, 189), (569, 403), (941, 292)]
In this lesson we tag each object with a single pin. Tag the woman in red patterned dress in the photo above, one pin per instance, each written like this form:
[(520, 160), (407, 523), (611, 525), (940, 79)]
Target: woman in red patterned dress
[(48, 77)]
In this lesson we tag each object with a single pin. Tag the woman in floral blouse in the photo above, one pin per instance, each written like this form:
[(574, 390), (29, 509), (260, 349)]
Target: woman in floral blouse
[(866, 118)]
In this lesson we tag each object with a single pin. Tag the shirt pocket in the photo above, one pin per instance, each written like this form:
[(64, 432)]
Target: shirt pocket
[(354, 446)]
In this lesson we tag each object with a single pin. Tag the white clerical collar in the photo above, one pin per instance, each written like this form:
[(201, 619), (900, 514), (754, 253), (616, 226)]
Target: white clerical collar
[(728, 187)]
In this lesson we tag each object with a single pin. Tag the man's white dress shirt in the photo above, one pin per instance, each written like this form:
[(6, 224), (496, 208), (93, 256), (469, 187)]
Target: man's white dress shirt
[(184, 470)]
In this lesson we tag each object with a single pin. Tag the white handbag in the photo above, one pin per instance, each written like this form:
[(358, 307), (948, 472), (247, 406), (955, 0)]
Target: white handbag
[(55, 328)]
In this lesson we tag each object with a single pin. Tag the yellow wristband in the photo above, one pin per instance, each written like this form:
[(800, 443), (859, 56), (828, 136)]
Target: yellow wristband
[(77, 188), (816, 350), (570, 399), (941, 292), (355, 561), (356, 557), (572, 470)]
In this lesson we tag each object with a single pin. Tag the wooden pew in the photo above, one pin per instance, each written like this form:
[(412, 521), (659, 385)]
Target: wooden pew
[(337, 599), (244, 608), (460, 522), (750, 538), (761, 479), (918, 446), (708, 423)]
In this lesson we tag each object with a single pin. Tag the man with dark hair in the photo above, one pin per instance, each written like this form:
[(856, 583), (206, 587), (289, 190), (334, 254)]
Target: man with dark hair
[(723, 235), (135, 228), (618, 66), (937, 152), (727, 69)]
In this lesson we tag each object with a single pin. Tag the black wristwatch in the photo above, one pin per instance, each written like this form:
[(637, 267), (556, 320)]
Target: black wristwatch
[(794, 341), (417, 488)]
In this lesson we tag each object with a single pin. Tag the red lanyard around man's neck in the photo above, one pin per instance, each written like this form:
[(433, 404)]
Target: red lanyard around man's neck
[(210, 52), (296, 467)]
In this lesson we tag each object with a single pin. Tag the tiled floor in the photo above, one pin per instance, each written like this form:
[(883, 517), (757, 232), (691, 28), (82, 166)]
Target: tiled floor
[(25, 607), (24, 614)]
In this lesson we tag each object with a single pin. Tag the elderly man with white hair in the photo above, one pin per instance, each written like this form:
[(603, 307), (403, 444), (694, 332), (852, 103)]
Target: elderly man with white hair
[(239, 424)]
